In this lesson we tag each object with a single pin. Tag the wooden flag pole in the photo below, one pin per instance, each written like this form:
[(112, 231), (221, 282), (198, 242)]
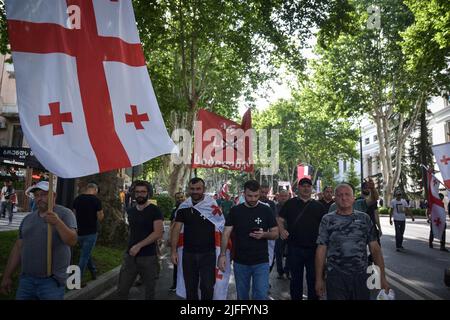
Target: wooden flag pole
[(49, 226)]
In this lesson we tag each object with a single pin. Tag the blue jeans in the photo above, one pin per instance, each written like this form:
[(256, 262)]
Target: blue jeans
[(35, 288), (300, 258), (87, 243), (259, 274)]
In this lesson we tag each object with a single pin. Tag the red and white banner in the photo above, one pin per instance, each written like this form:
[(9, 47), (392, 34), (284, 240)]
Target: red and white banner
[(223, 194), (303, 172), (86, 102), (442, 155), (208, 209), (219, 142), (436, 208)]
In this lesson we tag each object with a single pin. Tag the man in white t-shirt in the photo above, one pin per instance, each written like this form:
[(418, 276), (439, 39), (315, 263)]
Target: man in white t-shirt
[(399, 208)]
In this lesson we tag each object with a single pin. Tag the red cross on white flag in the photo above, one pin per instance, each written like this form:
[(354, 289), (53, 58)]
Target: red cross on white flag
[(85, 99), (436, 207), (442, 155)]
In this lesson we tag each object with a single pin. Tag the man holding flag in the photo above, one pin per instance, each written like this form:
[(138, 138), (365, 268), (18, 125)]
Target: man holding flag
[(436, 208), (436, 211)]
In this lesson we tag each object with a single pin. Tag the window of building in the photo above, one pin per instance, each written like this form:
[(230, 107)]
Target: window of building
[(447, 131), (345, 166), (17, 137), (375, 138), (367, 141), (369, 166)]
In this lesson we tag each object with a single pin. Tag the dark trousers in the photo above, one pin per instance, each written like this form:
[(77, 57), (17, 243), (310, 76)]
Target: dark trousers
[(280, 247), (146, 267), (432, 237), (300, 258), (341, 286), (399, 231), (199, 267), (174, 277)]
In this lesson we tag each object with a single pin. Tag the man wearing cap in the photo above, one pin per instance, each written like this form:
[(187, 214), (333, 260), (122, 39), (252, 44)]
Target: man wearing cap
[(302, 216), (30, 250), (398, 209)]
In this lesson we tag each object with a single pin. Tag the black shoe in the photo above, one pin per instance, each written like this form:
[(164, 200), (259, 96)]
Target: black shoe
[(431, 246), (173, 288), (93, 275), (444, 249)]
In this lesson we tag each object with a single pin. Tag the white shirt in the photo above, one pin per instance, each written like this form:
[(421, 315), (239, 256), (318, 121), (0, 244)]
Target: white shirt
[(398, 207)]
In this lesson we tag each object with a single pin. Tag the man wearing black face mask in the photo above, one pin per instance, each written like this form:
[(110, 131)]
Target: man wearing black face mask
[(146, 228)]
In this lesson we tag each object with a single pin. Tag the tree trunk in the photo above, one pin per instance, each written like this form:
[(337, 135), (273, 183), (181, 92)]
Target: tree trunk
[(113, 230), (180, 173)]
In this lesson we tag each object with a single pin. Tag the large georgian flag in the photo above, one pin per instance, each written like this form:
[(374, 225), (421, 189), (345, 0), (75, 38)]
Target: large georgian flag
[(86, 102)]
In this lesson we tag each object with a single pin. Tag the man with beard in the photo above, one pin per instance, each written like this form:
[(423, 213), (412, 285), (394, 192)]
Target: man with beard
[(327, 199), (254, 224), (146, 228), (199, 247), (30, 250)]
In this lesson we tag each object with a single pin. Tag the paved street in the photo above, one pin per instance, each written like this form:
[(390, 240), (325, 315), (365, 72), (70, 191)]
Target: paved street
[(17, 219), (417, 273)]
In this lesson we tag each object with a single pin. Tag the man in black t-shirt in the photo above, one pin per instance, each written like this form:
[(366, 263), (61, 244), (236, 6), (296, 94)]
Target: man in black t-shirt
[(146, 228), (302, 216), (327, 200), (253, 224), (199, 247), (88, 211)]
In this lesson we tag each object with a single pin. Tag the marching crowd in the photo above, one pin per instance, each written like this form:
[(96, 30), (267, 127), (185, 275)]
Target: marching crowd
[(333, 239)]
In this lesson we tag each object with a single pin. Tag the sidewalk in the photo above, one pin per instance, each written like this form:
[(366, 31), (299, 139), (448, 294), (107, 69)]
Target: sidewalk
[(17, 219)]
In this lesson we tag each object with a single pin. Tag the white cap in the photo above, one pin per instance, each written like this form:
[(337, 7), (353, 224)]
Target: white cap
[(41, 185)]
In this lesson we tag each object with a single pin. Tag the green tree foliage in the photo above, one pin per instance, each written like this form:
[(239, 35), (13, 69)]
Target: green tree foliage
[(308, 133), (364, 73), (427, 43)]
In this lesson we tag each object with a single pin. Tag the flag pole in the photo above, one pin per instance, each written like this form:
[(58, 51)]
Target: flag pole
[(49, 227), (426, 168)]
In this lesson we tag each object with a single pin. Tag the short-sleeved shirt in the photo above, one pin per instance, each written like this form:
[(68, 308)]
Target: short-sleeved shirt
[(141, 226), (272, 206), (86, 207), (226, 207), (244, 220), (346, 238), (198, 233), (398, 209), (304, 230), (327, 205), (33, 233)]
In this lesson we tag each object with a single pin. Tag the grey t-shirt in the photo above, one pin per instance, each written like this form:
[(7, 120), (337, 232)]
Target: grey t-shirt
[(346, 238), (33, 232)]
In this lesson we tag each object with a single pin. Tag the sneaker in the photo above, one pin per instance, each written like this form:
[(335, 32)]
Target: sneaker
[(431, 246), (444, 249), (173, 289)]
